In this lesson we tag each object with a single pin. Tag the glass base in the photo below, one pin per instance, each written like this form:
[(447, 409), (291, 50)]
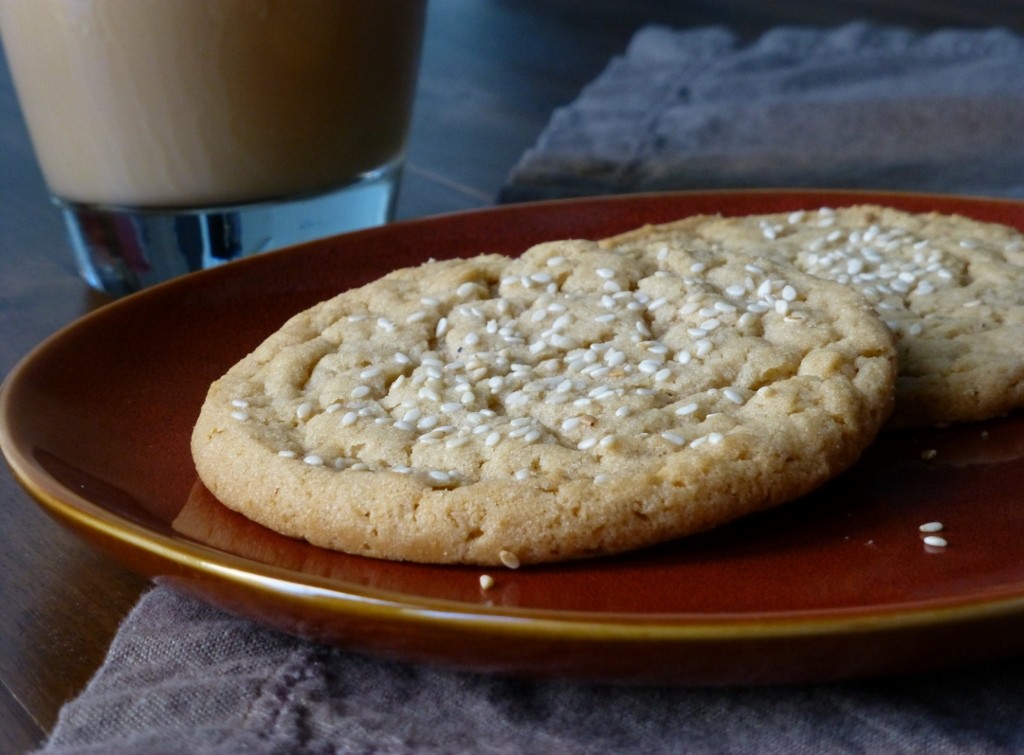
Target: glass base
[(120, 250)]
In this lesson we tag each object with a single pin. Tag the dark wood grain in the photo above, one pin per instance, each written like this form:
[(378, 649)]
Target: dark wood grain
[(493, 71)]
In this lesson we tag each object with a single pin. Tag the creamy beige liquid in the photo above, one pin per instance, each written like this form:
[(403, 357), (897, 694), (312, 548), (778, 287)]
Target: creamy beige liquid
[(164, 103)]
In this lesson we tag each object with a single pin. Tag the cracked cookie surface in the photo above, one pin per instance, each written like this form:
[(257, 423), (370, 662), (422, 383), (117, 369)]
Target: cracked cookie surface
[(572, 402), (950, 287)]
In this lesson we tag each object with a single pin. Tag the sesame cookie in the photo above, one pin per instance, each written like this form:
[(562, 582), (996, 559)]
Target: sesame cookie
[(950, 288), (573, 402)]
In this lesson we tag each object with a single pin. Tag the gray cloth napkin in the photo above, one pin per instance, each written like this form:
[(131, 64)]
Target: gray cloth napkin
[(855, 107), (182, 677)]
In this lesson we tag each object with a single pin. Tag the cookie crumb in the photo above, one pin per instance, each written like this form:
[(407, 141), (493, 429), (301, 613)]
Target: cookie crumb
[(486, 581)]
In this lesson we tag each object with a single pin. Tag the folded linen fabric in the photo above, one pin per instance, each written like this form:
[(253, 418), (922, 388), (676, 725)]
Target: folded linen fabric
[(859, 106), (182, 677)]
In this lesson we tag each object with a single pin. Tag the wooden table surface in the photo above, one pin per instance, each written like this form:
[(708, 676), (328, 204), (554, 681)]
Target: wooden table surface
[(493, 70)]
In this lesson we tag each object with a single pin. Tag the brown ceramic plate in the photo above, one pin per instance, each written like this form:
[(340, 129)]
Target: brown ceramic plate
[(96, 424)]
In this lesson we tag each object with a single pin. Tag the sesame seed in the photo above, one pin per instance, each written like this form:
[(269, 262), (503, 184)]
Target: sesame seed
[(509, 559), (361, 391), (240, 403), (674, 438), (605, 272), (286, 454), (493, 439), (240, 416), (587, 443), (935, 541), (931, 527), (313, 460), (733, 395), (486, 581), (614, 358), (428, 394)]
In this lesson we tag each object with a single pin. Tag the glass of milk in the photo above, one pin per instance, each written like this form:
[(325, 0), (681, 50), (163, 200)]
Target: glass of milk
[(176, 135)]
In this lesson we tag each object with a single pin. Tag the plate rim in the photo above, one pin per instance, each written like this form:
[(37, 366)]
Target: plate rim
[(69, 508)]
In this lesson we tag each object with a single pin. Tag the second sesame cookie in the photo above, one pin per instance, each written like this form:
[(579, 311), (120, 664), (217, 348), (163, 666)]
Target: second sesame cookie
[(951, 288)]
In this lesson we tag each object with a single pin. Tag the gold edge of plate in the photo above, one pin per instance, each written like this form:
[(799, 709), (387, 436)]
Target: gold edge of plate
[(357, 602)]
